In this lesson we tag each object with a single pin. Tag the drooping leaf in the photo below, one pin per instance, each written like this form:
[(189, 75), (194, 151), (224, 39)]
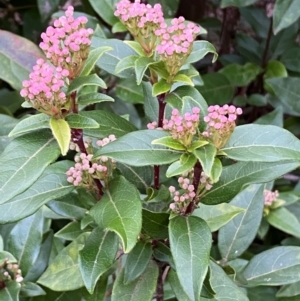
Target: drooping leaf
[(190, 241), (24, 160), (120, 210), (97, 256), (235, 237)]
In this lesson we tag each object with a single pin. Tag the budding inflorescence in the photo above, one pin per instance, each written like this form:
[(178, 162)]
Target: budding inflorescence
[(270, 197), (10, 271)]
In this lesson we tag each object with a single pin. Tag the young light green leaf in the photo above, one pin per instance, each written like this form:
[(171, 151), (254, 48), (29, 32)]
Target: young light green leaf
[(136, 46), (281, 218), (94, 56), (11, 291), (120, 210), (216, 216), (162, 86), (97, 256), (235, 237), (62, 133), (141, 65), (136, 149), (206, 156), (119, 27), (170, 142), (190, 241), (238, 175), (277, 266), (183, 79), (185, 163), (256, 142), (31, 123), (126, 63), (63, 273), (77, 121), (140, 289), (91, 98), (137, 261), (87, 80), (216, 170), (197, 144), (24, 160), (200, 50)]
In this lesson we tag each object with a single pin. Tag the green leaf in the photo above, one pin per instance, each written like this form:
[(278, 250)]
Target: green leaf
[(235, 177), (206, 156), (286, 12), (289, 290), (25, 240), (282, 219), (169, 7), (105, 10), (262, 293), (186, 163), (126, 63), (120, 210), (97, 256), (7, 123), (94, 56), (217, 89), (77, 121), (155, 224), (236, 236), (24, 160), (241, 76), (17, 56), (217, 216), (63, 273), (69, 232), (190, 241), (30, 289), (11, 291), (140, 289), (7, 257), (99, 291), (291, 59), (273, 118), (277, 266), (200, 50), (150, 102), (136, 46), (170, 142), (47, 8), (88, 80), (238, 3), (161, 87), (51, 184), (216, 170), (182, 78), (119, 27), (162, 253), (31, 123), (136, 149), (176, 286), (141, 65), (129, 91), (255, 142), (109, 123), (137, 261), (91, 98), (62, 133)]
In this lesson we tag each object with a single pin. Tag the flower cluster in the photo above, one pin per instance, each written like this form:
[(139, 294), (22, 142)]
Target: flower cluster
[(67, 43), (270, 197), (182, 128), (221, 123), (141, 20), (176, 43), (44, 88), (10, 271)]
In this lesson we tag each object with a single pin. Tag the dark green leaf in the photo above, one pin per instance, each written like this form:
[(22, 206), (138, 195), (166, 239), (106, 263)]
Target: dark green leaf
[(69, 232), (7, 123), (238, 3), (129, 91), (155, 224), (150, 102), (91, 98), (99, 291), (105, 10), (47, 8), (76, 121), (30, 289)]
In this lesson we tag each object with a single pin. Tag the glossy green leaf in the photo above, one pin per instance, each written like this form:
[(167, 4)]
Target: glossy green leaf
[(184, 164), (63, 273), (62, 133), (30, 289), (18, 55), (7, 123), (99, 291), (182, 78), (141, 65), (255, 142), (97, 256), (176, 286), (126, 63), (190, 241), (120, 210), (51, 184), (286, 12), (200, 50), (25, 240), (91, 98), (109, 123), (137, 261), (170, 142), (236, 236), (140, 289), (136, 149), (277, 266), (281, 218), (289, 290), (77, 121), (273, 118), (217, 216), (69, 232), (87, 80), (24, 160), (129, 91), (163, 253), (150, 102), (31, 123), (105, 10), (155, 224), (11, 291), (238, 3), (206, 156), (94, 56), (216, 170), (161, 87)]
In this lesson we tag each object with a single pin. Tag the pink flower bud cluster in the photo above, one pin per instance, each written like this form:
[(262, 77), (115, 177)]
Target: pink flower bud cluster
[(205, 181), (141, 20), (44, 88), (67, 43), (152, 125), (183, 128), (11, 271), (270, 197), (176, 43)]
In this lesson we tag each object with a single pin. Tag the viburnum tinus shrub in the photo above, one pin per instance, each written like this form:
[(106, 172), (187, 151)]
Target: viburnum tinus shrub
[(161, 195)]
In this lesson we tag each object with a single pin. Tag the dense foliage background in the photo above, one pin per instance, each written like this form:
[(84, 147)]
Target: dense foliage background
[(45, 224)]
